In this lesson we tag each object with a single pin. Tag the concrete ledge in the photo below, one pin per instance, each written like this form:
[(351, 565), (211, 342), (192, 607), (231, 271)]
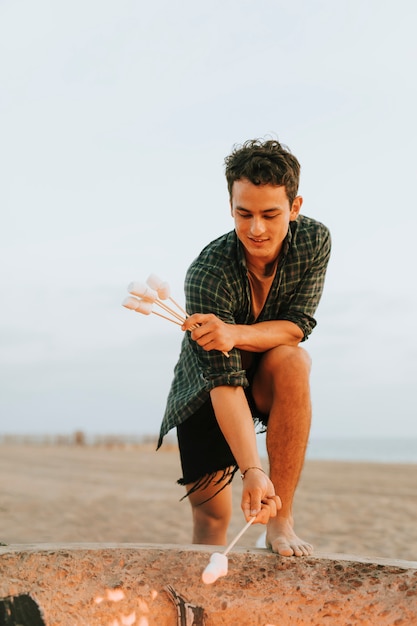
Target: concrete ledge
[(125, 584)]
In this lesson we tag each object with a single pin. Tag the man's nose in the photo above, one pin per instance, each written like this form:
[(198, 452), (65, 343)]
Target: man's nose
[(257, 227)]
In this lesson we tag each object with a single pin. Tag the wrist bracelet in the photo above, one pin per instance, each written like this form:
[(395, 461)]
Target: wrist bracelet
[(243, 474)]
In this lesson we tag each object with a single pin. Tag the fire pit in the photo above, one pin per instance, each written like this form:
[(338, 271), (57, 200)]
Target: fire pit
[(133, 585)]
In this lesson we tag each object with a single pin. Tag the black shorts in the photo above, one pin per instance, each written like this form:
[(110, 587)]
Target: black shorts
[(203, 449)]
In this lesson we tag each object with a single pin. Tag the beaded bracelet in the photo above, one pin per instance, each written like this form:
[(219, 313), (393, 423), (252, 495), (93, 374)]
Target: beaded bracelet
[(243, 474)]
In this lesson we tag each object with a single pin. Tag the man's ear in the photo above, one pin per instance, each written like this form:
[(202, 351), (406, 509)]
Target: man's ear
[(296, 207)]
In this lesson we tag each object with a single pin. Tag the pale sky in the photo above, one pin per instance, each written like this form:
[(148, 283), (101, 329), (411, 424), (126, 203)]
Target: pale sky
[(115, 118)]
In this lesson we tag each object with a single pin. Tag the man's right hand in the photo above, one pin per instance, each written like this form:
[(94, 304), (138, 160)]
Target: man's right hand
[(258, 496), (210, 332)]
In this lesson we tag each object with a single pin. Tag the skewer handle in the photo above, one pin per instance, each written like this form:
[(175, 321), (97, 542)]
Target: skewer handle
[(147, 293), (169, 310), (196, 326), (165, 317), (183, 311), (238, 536)]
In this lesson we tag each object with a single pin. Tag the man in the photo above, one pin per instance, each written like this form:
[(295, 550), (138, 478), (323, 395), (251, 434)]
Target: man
[(251, 295)]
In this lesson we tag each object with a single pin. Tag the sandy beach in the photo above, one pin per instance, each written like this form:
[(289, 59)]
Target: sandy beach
[(70, 493)]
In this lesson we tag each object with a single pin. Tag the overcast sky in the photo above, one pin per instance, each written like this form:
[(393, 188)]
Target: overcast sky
[(115, 118)]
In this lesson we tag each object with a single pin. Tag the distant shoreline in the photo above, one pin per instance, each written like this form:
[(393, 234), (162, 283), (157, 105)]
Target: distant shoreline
[(365, 449), (78, 438)]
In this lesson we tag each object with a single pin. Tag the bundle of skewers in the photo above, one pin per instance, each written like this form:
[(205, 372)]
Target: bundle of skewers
[(155, 293)]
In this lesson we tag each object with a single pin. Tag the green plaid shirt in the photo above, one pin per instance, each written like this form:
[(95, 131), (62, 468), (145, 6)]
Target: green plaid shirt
[(217, 282)]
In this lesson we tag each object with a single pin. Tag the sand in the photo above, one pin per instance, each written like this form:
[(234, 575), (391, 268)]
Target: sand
[(82, 523), (128, 494)]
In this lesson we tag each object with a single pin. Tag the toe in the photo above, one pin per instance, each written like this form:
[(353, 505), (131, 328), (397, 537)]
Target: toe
[(283, 548), (298, 550), (306, 549)]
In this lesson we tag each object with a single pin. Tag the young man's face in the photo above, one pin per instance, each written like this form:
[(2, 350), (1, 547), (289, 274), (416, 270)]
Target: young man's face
[(262, 214)]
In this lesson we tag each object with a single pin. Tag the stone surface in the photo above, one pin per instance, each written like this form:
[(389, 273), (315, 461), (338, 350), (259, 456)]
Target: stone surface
[(125, 584)]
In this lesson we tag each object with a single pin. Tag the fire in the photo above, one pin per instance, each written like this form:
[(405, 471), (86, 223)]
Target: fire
[(129, 619)]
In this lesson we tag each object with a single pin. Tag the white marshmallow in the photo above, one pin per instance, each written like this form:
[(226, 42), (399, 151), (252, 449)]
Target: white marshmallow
[(130, 303), (160, 286), (216, 568), (154, 281), (144, 306), (134, 304), (142, 291), (164, 291)]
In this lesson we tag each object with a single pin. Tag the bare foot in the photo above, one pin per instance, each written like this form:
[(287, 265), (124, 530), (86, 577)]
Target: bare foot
[(281, 538)]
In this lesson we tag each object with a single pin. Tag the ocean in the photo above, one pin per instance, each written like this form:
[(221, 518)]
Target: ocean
[(374, 450), (377, 450)]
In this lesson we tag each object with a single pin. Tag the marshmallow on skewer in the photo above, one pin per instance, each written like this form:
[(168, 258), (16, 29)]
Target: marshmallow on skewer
[(146, 293), (134, 304), (145, 307), (216, 568), (160, 286), (141, 290), (130, 303), (154, 281), (164, 291)]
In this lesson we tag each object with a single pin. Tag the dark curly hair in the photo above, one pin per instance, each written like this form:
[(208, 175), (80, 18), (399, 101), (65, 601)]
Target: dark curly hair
[(264, 163)]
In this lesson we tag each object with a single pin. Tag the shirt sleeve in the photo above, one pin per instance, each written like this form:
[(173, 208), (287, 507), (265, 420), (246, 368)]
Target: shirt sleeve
[(207, 290), (302, 302)]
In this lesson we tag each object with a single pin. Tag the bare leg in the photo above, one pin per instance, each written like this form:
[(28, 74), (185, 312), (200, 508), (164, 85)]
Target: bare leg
[(281, 388), (211, 519)]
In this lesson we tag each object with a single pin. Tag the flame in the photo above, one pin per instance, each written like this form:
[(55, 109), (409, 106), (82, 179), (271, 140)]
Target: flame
[(113, 595), (116, 595), (129, 620), (143, 606)]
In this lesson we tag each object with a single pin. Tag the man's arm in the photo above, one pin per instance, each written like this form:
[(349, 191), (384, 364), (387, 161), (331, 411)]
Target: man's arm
[(235, 420), (214, 334), (264, 336)]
